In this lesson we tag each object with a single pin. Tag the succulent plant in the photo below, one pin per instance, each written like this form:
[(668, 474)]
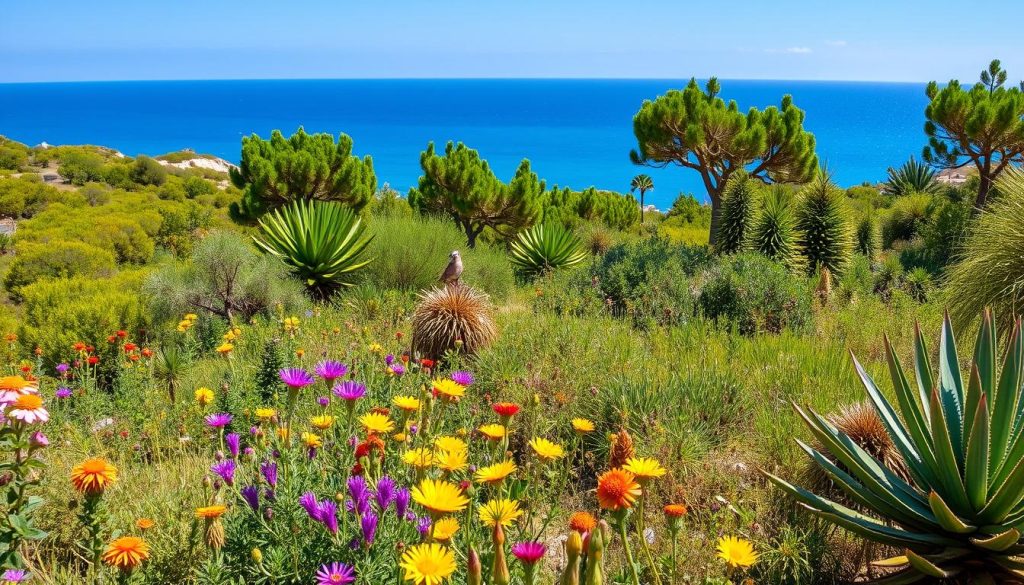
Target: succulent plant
[(912, 177), (960, 513), (773, 230), (543, 248), (321, 241), (452, 318), (826, 233), (738, 204)]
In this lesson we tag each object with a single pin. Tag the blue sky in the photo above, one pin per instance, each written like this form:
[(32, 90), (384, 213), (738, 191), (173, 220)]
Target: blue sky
[(894, 40)]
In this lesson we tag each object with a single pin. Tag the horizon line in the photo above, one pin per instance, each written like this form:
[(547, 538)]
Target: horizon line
[(545, 78)]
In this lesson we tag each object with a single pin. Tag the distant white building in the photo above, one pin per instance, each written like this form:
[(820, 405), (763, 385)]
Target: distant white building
[(953, 176)]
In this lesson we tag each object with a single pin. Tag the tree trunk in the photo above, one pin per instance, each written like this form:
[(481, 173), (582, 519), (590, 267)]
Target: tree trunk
[(716, 217), (984, 185), (471, 235), (641, 207)]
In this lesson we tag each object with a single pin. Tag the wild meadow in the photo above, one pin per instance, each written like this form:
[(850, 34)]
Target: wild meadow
[(258, 377)]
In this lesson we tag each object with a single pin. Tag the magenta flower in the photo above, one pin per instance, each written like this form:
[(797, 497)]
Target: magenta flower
[(14, 576), (226, 470), (310, 505), (398, 369), (296, 378), (63, 392), (368, 523), (233, 441), (385, 492), (462, 378), (39, 440), (423, 525), (529, 552), (218, 420), (330, 370), (335, 574), (251, 495), (62, 368), (402, 497), (269, 471), (328, 512), (349, 390)]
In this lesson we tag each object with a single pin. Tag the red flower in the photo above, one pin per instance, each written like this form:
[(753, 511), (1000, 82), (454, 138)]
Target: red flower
[(134, 357), (381, 410), (122, 333), (130, 347), (357, 469), (111, 339), (90, 348), (146, 352), (399, 334), (93, 360), (26, 368), (426, 363), (78, 346), (39, 351), (505, 409)]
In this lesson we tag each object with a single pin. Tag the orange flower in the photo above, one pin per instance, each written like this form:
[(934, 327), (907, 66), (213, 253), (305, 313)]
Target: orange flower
[(92, 476), (144, 524), (506, 409), (675, 510), (582, 522), (617, 489), (126, 553), (211, 512)]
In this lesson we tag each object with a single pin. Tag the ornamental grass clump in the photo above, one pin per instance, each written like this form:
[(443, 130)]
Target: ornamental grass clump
[(452, 318), (962, 441)]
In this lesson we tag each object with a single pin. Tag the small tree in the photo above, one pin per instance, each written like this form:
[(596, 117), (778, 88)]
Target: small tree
[(822, 220), (738, 204), (643, 184), (278, 171), (697, 130), (461, 185), (983, 126)]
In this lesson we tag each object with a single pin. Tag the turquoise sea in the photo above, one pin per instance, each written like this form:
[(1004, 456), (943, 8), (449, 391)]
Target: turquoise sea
[(577, 133)]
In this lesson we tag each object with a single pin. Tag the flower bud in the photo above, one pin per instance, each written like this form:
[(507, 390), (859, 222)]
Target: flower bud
[(257, 555), (474, 570)]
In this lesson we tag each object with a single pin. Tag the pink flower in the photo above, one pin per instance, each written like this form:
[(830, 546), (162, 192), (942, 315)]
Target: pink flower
[(28, 408), (529, 552)]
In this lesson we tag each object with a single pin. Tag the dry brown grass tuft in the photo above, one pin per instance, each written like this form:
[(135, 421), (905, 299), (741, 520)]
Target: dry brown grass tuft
[(448, 315)]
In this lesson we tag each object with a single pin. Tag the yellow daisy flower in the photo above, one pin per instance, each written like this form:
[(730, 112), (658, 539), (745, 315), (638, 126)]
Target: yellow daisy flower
[(644, 468), (503, 512), (406, 403), (448, 443), (495, 474), (546, 450), (375, 422), (420, 458), (428, 564), (494, 432), (452, 460), (583, 425), (449, 389), (439, 497), (264, 414), (738, 553), (445, 528)]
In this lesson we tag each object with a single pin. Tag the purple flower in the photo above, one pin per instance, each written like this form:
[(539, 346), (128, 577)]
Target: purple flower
[(529, 552), (62, 368), (251, 494), (369, 525), (63, 392), (269, 471), (218, 420), (423, 525), (233, 442), (15, 576), (248, 451), (357, 488), (39, 440), (226, 470), (330, 370), (462, 377), (349, 390), (385, 492), (402, 501), (309, 503), (335, 574), (324, 401), (328, 512), (296, 378), (389, 359), (398, 369)]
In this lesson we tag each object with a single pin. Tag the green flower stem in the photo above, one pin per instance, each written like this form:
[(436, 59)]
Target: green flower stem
[(625, 547)]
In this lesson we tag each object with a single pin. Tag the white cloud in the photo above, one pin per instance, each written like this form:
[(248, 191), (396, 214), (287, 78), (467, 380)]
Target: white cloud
[(836, 43), (791, 50)]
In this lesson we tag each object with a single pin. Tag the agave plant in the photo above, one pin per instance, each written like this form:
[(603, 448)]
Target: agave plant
[(320, 240), (912, 177), (546, 247), (773, 231), (960, 513)]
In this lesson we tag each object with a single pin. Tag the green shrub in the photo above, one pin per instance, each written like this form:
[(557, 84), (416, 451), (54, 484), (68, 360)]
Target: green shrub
[(990, 270), (857, 281), (196, 186), (945, 231), (56, 259), (738, 205), (826, 234), (689, 210), (906, 218), (869, 236), (79, 167), (649, 280), (773, 231), (912, 178), (544, 248), (59, 312), (389, 203), (755, 294), (409, 254), (27, 195), (146, 171), (13, 155), (866, 197)]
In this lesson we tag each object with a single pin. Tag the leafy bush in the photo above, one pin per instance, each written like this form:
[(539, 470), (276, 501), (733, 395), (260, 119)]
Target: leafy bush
[(649, 280), (773, 231), (225, 277), (79, 167), (826, 235), (13, 155), (197, 186), (25, 196), (688, 209), (321, 241), (866, 197), (738, 205), (409, 254), (146, 171), (755, 294), (869, 236), (912, 178), (945, 231), (56, 259), (543, 248), (990, 271), (906, 218)]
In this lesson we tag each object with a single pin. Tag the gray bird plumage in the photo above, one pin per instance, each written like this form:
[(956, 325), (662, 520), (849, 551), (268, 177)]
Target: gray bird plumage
[(453, 271)]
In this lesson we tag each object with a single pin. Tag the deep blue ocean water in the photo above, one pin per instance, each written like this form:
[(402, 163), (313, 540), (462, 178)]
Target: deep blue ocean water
[(576, 133)]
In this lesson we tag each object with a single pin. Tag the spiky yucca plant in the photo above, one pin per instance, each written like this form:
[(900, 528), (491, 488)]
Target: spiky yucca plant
[(959, 516), (826, 236), (869, 236), (543, 248), (738, 203), (912, 177), (989, 271), (321, 241), (452, 318), (773, 231)]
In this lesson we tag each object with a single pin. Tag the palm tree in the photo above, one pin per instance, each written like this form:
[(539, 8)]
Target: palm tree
[(642, 183)]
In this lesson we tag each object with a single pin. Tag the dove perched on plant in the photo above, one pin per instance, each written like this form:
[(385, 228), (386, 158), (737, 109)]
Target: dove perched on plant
[(453, 271)]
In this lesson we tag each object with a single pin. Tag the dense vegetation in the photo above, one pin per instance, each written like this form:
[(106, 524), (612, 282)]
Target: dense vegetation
[(259, 377)]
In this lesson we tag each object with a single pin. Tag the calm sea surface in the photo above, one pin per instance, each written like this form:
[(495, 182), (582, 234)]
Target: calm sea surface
[(576, 132)]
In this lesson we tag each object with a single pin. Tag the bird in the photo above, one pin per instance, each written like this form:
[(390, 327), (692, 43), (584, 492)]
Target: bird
[(453, 271)]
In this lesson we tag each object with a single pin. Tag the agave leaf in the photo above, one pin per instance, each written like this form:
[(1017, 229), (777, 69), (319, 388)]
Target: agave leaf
[(946, 517), (546, 247), (1004, 498), (951, 391), (891, 562), (976, 463), (1006, 404), (925, 566), (998, 542), (922, 369), (913, 414), (949, 470)]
